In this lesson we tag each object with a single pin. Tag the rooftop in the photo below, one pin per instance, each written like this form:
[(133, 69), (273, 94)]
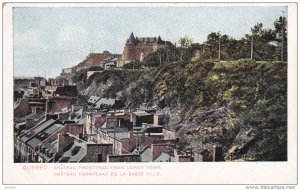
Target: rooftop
[(165, 157), (42, 135), (105, 102), (141, 113), (75, 153)]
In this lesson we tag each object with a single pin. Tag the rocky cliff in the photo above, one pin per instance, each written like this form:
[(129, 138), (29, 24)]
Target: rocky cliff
[(240, 105)]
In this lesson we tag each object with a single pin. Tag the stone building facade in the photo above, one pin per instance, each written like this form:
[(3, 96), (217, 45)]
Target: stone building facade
[(137, 48)]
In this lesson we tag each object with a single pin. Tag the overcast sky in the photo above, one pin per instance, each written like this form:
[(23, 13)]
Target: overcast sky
[(49, 39)]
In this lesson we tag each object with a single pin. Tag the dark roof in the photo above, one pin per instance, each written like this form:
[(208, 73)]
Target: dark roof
[(42, 135), (34, 142), (43, 126), (131, 39), (146, 40), (66, 91), (37, 129)]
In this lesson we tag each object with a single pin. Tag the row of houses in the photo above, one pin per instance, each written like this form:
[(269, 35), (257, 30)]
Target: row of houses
[(37, 87), (57, 127)]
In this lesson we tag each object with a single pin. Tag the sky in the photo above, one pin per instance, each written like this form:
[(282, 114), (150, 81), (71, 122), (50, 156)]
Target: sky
[(45, 40)]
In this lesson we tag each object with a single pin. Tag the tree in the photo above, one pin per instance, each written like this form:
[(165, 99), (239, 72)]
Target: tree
[(281, 35), (263, 49), (185, 41)]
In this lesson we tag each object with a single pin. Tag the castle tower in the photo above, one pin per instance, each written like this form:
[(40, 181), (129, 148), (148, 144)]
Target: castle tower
[(129, 49)]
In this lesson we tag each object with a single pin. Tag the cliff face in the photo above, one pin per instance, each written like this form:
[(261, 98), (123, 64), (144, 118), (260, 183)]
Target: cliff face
[(241, 105)]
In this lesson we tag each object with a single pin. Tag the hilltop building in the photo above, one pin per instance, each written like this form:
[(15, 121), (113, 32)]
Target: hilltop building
[(137, 48), (96, 59)]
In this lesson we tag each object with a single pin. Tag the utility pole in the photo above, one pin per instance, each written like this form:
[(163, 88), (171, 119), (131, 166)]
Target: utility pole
[(219, 46), (175, 53), (251, 46), (159, 57), (282, 36)]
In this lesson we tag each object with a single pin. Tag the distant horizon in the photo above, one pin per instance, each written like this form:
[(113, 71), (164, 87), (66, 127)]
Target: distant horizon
[(46, 40)]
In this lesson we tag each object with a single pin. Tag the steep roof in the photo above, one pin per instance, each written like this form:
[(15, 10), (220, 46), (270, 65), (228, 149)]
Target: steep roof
[(131, 39), (146, 40)]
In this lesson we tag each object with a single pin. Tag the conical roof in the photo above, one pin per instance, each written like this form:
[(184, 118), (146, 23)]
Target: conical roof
[(159, 40), (131, 39)]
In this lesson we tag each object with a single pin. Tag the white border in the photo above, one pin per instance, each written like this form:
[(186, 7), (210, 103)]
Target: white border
[(171, 173)]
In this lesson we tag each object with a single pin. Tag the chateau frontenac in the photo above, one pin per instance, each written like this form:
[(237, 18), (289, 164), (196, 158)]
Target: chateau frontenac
[(137, 48)]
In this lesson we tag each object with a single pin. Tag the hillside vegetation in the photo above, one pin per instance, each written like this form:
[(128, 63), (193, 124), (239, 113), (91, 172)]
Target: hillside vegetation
[(241, 105)]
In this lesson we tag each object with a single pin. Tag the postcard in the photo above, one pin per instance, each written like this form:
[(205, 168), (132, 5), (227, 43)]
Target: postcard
[(150, 93)]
